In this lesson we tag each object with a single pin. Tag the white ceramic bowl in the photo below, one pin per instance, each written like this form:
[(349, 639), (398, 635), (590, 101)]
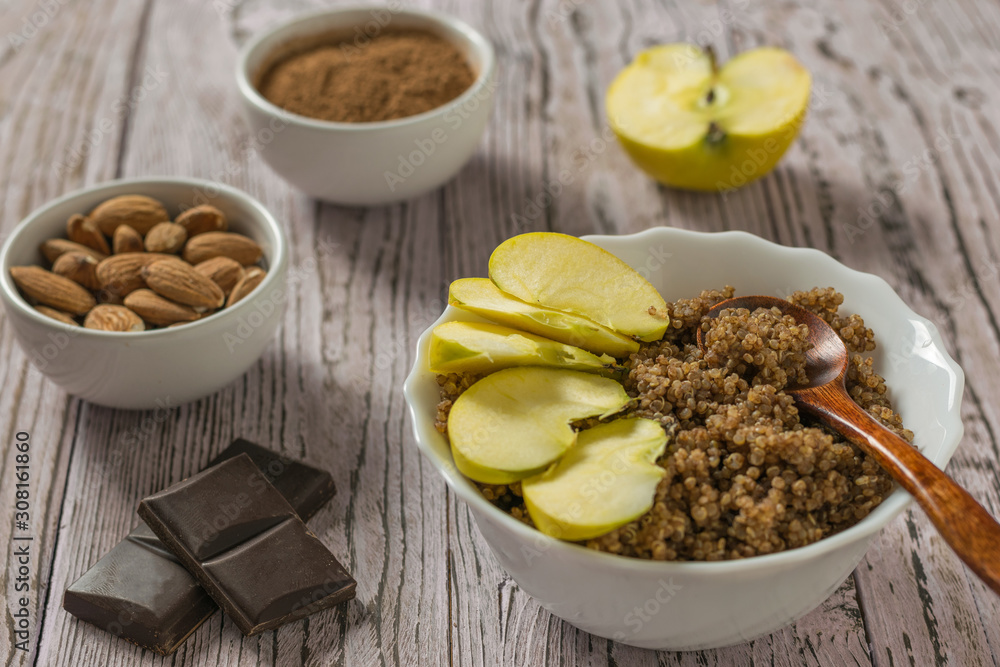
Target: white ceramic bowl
[(163, 367), (690, 605), (368, 163)]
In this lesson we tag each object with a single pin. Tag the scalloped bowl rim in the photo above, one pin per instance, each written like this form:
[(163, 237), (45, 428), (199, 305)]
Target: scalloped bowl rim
[(424, 430)]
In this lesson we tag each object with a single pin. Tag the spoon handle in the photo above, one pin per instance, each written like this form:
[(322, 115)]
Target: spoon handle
[(968, 528)]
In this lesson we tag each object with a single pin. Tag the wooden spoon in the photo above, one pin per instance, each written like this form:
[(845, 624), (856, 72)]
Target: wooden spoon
[(964, 524)]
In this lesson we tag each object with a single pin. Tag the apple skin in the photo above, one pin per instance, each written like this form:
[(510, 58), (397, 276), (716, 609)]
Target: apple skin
[(739, 151), (515, 422), (706, 168), (478, 347), (482, 297), (566, 273), (608, 479), (487, 475)]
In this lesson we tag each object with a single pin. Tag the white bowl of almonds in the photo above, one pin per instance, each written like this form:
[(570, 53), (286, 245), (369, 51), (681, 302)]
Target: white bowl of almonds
[(145, 293)]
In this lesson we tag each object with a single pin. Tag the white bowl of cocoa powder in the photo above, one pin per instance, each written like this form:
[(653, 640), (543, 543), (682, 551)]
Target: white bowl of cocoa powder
[(367, 105)]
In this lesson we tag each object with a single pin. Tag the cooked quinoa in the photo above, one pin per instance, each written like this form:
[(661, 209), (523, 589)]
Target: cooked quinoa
[(746, 475)]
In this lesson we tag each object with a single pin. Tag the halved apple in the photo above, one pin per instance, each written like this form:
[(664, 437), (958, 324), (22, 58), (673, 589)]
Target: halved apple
[(482, 297), (606, 480), (570, 274), (477, 347), (690, 124), (516, 422)]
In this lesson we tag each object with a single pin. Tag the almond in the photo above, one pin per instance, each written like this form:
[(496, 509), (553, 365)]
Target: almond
[(222, 244), (201, 219), (107, 296), (126, 239), (55, 247), (83, 231), (153, 308), (107, 317), (79, 268), (137, 211), (51, 290), (65, 318), (223, 271), (166, 237), (253, 277), (121, 274), (181, 283)]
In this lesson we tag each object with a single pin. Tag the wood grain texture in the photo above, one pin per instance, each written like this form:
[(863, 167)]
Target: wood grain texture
[(894, 174)]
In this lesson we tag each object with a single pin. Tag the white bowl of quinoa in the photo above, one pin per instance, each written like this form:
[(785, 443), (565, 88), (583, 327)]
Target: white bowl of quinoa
[(761, 515)]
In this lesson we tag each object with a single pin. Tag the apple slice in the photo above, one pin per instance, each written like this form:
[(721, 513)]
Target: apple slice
[(477, 347), (607, 480), (690, 124), (569, 274), (515, 422), (482, 297)]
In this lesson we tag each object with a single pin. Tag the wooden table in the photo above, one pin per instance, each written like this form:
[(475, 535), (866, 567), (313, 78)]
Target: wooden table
[(902, 144)]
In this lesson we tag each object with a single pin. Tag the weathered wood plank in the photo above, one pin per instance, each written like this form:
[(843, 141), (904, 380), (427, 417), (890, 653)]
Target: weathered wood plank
[(910, 195), (894, 174), (60, 76), (347, 302)]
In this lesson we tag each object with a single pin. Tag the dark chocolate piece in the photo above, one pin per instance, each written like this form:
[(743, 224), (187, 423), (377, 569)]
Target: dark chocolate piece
[(246, 546), (139, 591), (306, 488)]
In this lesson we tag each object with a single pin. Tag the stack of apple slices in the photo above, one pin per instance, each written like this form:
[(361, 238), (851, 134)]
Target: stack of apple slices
[(565, 311)]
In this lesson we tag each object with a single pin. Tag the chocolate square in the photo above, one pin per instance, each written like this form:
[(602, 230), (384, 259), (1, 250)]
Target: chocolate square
[(244, 543), (139, 590)]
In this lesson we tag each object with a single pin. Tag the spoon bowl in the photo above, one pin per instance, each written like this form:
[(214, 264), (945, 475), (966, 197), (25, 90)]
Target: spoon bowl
[(969, 529), (827, 357)]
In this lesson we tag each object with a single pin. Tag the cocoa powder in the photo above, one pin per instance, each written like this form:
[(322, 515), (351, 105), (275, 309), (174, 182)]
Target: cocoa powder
[(397, 74)]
